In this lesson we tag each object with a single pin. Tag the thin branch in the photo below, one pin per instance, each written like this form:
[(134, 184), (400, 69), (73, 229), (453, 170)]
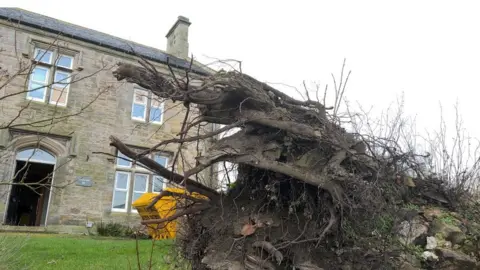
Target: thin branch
[(188, 211), (193, 186), (191, 139), (165, 193)]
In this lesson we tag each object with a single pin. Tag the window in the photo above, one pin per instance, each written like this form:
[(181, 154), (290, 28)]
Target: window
[(132, 180), (51, 76), (123, 161), (37, 85), (60, 88), (156, 110), (120, 192), (144, 104), (140, 186), (36, 155), (158, 183), (139, 108)]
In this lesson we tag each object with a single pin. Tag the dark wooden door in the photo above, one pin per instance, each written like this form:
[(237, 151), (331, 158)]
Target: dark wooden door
[(40, 202)]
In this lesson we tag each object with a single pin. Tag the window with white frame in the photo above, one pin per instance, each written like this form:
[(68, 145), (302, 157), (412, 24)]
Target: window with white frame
[(140, 185), (156, 109), (158, 183), (120, 193), (147, 107), (132, 180), (50, 77), (140, 103)]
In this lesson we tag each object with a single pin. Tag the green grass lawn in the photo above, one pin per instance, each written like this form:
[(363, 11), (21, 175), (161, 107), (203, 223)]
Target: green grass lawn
[(46, 251)]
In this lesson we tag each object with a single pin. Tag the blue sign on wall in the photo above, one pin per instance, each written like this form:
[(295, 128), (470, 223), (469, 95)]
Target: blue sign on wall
[(84, 181)]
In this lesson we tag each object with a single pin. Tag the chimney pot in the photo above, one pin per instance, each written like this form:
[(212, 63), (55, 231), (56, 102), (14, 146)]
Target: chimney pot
[(177, 38)]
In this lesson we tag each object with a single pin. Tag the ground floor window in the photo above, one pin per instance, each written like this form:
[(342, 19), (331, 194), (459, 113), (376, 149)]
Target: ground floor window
[(133, 180), (120, 194)]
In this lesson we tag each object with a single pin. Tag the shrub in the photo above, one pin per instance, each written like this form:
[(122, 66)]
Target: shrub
[(115, 229), (111, 229)]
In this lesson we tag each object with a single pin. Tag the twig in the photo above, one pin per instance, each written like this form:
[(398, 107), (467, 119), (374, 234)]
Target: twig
[(138, 253), (165, 193), (192, 139), (192, 210), (332, 221), (268, 247), (193, 186), (151, 254)]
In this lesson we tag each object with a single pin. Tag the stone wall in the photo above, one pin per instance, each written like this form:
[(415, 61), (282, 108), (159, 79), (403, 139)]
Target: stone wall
[(84, 125)]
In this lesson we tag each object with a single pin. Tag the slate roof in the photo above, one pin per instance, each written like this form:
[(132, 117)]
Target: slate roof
[(55, 26)]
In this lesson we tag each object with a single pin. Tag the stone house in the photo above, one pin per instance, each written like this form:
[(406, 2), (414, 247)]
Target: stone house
[(57, 113)]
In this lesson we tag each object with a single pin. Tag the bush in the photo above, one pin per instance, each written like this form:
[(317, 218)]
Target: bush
[(115, 229), (112, 229)]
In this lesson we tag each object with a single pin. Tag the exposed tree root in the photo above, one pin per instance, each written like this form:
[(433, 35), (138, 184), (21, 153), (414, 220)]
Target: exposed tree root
[(268, 247), (320, 192), (192, 210), (253, 262)]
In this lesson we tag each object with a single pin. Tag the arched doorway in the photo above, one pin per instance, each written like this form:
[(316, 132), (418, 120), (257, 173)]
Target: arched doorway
[(30, 193)]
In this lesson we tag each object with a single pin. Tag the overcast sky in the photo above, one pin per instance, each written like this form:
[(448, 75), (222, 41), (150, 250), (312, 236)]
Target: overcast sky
[(430, 50)]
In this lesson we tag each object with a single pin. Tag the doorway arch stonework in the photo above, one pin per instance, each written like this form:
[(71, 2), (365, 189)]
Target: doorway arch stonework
[(22, 141), (31, 141)]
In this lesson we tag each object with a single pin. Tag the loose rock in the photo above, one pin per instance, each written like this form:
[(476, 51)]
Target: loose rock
[(410, 231), (429, 256), (447, 244), (431, 213), (431, 243), (457, 258), (457, 238), (438, 226)]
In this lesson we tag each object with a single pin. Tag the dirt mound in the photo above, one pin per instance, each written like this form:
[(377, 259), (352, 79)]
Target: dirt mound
[(272, 222)]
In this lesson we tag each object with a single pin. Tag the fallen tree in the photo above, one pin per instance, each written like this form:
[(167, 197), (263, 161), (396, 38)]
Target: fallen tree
[(308, 195)]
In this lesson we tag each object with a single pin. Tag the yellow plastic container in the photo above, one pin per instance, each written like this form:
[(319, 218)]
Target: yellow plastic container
[(165, 207)]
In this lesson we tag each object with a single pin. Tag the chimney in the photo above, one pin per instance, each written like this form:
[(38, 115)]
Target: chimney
[(177, 38)]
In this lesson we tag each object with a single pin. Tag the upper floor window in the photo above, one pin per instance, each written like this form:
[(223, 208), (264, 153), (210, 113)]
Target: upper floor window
[(140, 104), (133, 180), (51, 76), (147, 107)]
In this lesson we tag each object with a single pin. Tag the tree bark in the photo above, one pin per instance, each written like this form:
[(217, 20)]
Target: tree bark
[(190, 185), (268, 117)]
